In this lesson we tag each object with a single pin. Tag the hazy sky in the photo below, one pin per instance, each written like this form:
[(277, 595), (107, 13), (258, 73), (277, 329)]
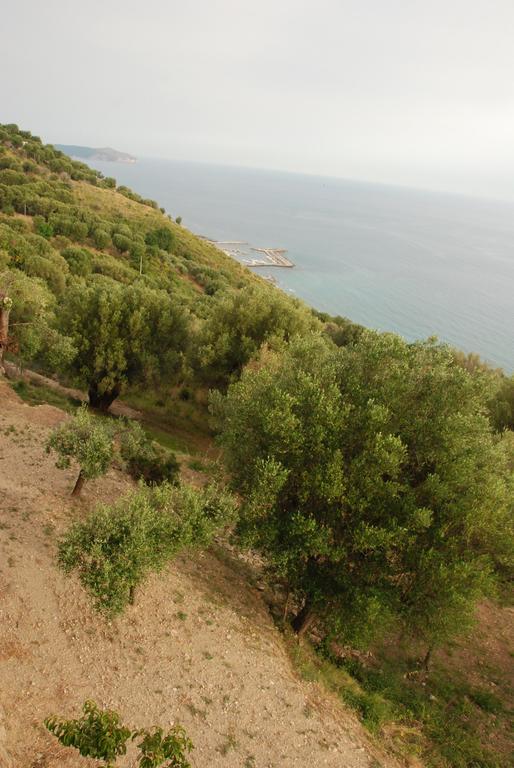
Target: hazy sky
[(417, 92)]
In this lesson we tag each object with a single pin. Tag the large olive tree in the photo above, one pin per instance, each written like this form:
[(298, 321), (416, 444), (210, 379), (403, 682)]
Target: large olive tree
[(123, 335), (371, 481)]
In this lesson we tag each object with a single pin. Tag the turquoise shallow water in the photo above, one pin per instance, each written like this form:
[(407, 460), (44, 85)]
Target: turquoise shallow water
[(418, 263)]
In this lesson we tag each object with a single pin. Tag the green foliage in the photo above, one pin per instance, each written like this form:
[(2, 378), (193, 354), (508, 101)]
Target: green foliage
[(239, 323), (80, 260), (449, 714), (340, 330), (32, 318), (162, 238), (101, 238), (99, 734), (44, 228), (122, 242), (117, 546), (85, 440), (372, 482), (144, 459), (164, 749), (123, 335)]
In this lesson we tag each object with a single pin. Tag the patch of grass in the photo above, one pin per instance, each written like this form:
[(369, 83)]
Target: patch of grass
[(181, 615), (167, 439), (39, 394), (486, 701), (196, 465), (439, 717), (229, 743)]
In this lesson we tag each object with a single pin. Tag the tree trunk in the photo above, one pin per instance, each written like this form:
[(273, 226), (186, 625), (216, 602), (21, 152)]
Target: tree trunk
[(5, 310), (286, 606), (303, 620), (102, 401), (78, 485)]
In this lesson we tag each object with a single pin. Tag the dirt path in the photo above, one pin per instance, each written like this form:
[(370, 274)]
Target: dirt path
[(198, 647)]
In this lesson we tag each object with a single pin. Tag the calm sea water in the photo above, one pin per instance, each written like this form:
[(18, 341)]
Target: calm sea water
[(413, 262)]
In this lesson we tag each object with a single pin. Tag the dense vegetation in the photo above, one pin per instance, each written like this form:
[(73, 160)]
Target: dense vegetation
[(374, 476), (366, 473)]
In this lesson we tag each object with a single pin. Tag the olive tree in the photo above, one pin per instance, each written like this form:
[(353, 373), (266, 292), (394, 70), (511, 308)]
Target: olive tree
[(27, 318), (85, 440), (371, 481), (118, 545), (123, 335), (239, 323)]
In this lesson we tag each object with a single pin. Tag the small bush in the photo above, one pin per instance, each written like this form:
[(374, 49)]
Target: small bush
[(117, 546), (100, 734), (144, 459), (80, 260)]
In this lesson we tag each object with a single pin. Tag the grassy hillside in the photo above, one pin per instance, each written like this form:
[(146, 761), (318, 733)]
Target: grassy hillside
[(373, 479), (41, 190)]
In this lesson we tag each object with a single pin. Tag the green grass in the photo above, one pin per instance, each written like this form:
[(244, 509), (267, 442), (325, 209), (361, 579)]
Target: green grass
[(440, 718), (39, 394)]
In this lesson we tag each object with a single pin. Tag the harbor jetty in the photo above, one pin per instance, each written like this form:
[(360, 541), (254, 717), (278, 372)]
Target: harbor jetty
[(275, 257), (242, 251)]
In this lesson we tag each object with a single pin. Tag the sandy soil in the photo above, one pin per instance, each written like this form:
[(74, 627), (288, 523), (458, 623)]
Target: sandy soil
[(198, 647)]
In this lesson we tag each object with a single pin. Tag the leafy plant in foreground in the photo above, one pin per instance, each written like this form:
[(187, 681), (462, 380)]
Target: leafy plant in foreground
[(100, 734)]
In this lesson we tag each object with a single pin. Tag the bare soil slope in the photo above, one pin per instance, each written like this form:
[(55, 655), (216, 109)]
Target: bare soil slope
[(197, 648)]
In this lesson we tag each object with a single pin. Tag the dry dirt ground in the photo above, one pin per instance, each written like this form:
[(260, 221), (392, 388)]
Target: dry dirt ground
[(198, 647)]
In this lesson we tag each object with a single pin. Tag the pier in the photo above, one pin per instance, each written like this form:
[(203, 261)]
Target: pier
[(242, 250), (275, 257)]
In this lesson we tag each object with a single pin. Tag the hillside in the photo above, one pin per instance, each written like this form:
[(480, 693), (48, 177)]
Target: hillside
[(199, 648), (96, 153), (338, 542)]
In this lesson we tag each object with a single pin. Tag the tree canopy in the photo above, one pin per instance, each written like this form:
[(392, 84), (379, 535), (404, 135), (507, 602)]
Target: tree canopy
[(123, 335), (240, 322), (371, 481)]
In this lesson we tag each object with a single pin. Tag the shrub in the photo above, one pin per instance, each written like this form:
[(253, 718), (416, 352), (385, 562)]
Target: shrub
[(43, 228), (80, 260), (117, 546), (121, 242), (162, 238), (100, 734), (144, 459), (87, 441), (101, 238)]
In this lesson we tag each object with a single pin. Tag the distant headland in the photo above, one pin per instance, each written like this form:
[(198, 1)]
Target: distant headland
[(96, 153)]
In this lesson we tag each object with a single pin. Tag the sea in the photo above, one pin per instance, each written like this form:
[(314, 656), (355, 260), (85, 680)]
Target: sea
[(415, 262)]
